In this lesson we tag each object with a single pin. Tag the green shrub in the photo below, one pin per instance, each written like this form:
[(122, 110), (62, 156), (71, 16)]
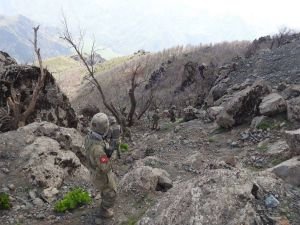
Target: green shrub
[(72, 200), (265, 125), (124, 147), (4, 201)]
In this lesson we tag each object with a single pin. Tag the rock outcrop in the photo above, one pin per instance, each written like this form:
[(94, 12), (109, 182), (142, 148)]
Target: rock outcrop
[(52, 105), (243, 106), (272, 104), (145, 178), (293, 140), (45, 153), (219, 197), (289, 171), (293, 109)]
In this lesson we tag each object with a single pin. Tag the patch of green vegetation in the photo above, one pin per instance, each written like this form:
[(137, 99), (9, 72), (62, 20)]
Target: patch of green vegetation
[(276, 161), (220, 130), (211, 139), (124, 147), (131, 221), (255, 168), (265, 125), (263, 148), (72, 200), (167, 126), (4, 201), (179, 120), (109, 64), (61, 64)]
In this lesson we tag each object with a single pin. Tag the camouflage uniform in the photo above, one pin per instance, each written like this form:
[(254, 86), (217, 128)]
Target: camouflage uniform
[(172, 114), (155, 118), (99, 164), (114, 136)]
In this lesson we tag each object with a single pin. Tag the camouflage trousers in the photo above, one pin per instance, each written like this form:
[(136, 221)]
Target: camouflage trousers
[(155, 125), (106, 184)]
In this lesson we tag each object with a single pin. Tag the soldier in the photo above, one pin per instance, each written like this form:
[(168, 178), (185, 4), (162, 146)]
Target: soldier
[(114, 134), (98, 161), (172, 113), (155, 118)]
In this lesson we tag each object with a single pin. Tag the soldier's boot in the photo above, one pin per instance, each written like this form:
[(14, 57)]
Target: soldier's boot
[(106, 213)]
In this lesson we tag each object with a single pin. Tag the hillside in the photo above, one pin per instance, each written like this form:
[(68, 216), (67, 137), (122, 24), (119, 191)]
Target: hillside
[(16, 33), (231, 156)]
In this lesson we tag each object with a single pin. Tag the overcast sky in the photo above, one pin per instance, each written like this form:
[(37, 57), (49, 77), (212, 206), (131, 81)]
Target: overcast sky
[(221, 19)]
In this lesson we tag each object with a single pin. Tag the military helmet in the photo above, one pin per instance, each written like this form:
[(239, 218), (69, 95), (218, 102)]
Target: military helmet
[(112, 120), (100, 123)]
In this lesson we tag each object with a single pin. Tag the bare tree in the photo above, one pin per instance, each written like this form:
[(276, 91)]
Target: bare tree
[(90, 67), (136, 70), (14, 101)]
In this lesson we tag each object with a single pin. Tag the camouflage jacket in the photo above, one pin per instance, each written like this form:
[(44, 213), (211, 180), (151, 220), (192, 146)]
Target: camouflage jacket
[(95, 154)]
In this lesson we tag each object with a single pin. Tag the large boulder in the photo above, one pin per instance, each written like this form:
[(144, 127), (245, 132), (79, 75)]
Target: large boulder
[(293, 140), (146, 178), (243, 105), (289, 171), (189, 113), (214, 111), (293, 109), (47, 164), (44, 153), (52, 104), (218, 197), (292, 91), (272, 104)]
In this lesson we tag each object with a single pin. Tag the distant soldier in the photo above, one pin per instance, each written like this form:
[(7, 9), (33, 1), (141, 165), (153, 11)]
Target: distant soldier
[(172, 113), (97, 153), (114, 135), (155, 119)]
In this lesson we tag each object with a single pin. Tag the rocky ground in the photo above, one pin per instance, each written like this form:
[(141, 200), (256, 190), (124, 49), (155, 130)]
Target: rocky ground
[(217, 176), (234, 161)]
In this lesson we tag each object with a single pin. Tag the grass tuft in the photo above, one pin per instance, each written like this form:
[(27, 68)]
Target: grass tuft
[(124, 147), (4, 201), (73, 200)]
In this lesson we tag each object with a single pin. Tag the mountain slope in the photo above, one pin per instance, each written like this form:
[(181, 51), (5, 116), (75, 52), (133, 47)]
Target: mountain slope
[(16, 33)]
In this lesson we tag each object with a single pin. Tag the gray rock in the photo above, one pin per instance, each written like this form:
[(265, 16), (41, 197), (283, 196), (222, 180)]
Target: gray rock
[(5, 189), (5, 170), (278, 147), (146, 178), (12, 187), (213, 112), (293, 141), (243, 105), (292, 91), (190, 113), (32, 194), (289, 171), (271, 201), (48, 165), (38, 202), (50, 193), (234, 144), (40, 216), (209, 199), (293, 109), (272, 104)]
